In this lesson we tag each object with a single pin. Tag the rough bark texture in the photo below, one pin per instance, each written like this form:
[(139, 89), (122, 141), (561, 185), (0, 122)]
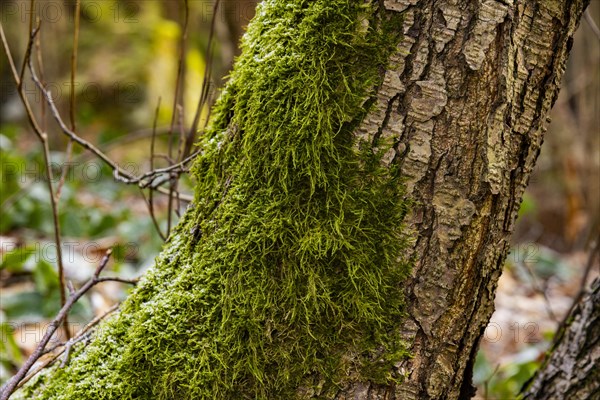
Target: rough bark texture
[(571, 371), (464, 101), (467, 99)]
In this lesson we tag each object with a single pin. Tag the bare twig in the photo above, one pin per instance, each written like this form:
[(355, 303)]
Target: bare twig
[(65, 168), (74, 65), (153, 141), (70, 287), (590, 20), (53, 358), (204, 94), (583, 285), (17, 79), (12, 384), (178, 109), (150, 201), (43, 138), (118, 173), (40, 63), (83, 330), (181, 141), (145, 180), (69, 345), (29, 42), (120, 141), (57, 235), (488, 380), (179, 156), (178, 97), (540, 290)]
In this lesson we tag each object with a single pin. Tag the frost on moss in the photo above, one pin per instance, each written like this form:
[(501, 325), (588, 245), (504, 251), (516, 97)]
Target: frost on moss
[(284, 278)]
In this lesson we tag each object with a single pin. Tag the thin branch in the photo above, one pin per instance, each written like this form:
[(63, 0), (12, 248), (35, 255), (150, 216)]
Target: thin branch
[(57, 236), (40, 63), (150, 204), (54, 205), (178, 97), (118, 173), (69, 345), (117, 279), (153, 141), (53, 358), (583, 285), (12, 384), (150, 201), (145, 180), (29, 42), (43, 138), (17, 79), (204, 94), (179, 157), (65, 168), (590, 20), (114, 143), (74, 65), (178, 108), (540, 290), (83, 330)]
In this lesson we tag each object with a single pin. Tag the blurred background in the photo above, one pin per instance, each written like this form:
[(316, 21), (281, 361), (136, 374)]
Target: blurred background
[(142, 68)]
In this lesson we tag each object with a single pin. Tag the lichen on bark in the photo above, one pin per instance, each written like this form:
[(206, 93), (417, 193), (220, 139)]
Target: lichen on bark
[(284, 277)]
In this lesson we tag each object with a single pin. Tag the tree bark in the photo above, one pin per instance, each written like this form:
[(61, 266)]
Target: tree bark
[(571, 369), (465, 102), (468, 100)]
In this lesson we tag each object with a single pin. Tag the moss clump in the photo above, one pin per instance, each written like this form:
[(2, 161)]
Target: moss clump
[(285, 271)]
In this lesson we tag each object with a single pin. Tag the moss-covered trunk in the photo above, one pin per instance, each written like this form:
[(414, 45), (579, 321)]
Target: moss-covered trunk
[(289, 276)]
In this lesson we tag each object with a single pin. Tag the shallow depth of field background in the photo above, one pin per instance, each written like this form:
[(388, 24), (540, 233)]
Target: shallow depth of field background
[(127, 59)]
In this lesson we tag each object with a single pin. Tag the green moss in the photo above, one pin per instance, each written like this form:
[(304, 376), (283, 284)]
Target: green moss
[(287, 270)]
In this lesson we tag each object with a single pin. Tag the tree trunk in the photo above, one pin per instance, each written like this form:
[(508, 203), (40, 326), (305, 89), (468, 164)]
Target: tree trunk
[(571, 370), (468, 98), (459, 111)]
